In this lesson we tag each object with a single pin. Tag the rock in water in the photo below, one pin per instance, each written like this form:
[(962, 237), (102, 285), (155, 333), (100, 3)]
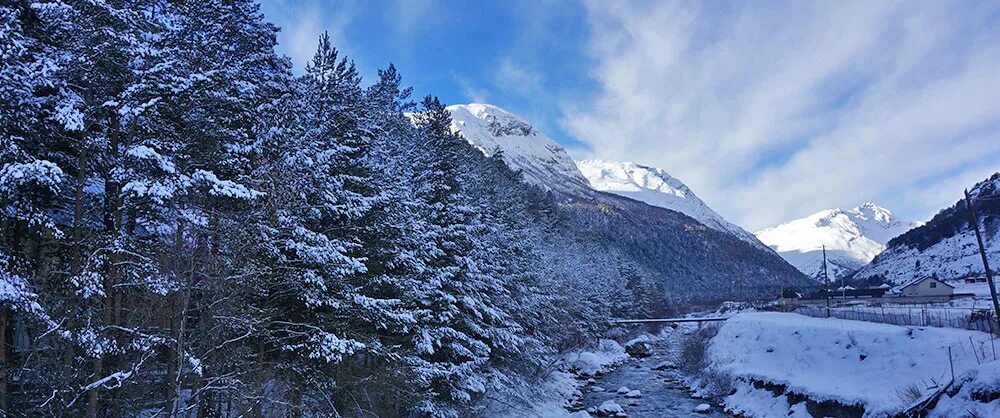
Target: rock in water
[(638, 347), (666, 365), (623, 390), (702, 408), (610, 409), (633, 394)]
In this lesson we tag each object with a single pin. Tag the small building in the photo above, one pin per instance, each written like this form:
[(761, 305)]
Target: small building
[(789, 297), (926, 286)]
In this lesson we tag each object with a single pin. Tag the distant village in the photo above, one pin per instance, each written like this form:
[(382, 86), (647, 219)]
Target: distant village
[(927, 289)]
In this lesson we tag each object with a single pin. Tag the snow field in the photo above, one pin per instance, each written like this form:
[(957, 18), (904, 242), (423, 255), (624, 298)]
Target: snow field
[(849, 362)]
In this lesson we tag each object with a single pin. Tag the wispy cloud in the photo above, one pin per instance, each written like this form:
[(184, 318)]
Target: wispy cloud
[(302, 22), (470, 91), (774, 110), (515, 77)]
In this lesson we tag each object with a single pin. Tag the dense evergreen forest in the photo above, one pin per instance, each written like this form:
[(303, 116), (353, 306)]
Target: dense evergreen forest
[(188, 229)]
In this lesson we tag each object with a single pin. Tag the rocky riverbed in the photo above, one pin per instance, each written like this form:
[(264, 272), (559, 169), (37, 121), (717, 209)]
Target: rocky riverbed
[(648, 386)]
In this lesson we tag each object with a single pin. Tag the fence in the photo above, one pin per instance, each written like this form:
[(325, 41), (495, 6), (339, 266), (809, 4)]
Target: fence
[(944, 317)]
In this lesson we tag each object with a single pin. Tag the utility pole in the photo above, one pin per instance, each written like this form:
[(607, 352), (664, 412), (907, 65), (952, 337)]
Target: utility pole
[(826, 283), (974, 222)]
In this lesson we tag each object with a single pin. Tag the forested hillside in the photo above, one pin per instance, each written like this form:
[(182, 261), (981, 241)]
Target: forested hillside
[(946, 246), (189, 229)]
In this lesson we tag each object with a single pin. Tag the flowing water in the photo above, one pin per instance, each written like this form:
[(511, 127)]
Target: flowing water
[(663, 393)]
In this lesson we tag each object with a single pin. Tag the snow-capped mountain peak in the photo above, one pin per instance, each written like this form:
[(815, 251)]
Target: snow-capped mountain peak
[(851, 237), (547, 164), (873, 212), (656, 187), (543, 161)]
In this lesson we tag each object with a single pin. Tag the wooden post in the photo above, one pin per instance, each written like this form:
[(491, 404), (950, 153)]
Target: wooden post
[(826, 282), (952, 364), (973, 345), (974, 223)]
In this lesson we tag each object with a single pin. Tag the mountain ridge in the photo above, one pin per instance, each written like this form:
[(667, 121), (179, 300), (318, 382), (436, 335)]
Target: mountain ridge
[(945, 246), (679, 253), (851, 237), (656, 187)]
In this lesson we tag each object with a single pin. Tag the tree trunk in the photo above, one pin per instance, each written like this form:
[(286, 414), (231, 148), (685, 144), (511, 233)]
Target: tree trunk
[(112, 220)]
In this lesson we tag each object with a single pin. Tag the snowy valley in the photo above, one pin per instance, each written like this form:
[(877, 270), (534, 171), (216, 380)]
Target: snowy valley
[(195, 225)]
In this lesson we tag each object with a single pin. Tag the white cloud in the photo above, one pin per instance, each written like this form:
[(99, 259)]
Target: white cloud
[(771, 111), (471, 92), (409, 16), (515, 77), (301, 24)]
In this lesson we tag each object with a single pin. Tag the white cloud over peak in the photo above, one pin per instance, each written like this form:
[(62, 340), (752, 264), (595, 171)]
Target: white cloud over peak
[(771, 111)]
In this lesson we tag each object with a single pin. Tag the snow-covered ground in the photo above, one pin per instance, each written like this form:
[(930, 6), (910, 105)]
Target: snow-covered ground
[(849, 362), (975, 393), (563, 386), (971, 314), (981, 290)]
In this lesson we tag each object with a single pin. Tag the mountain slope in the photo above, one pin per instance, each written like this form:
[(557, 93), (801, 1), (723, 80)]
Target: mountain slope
[(946, 245), (679, 253), (851, 237), (543, 162), (658, 188)]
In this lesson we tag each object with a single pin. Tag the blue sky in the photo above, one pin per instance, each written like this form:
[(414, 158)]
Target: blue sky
[(519, 55), (769, 110)]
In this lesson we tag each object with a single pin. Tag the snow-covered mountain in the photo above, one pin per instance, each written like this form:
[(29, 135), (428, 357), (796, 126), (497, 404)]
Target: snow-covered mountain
[(946, 245), (543, 162), (684, 246), (852, 238), (658, 188)]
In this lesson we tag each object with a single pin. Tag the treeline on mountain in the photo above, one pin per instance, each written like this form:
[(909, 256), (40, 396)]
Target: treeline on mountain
[(188, 229), (955, 219), (677, 254)]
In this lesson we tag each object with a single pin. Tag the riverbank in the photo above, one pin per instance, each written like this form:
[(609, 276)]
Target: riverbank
[(793, 365), (651, 386), (606, 381)]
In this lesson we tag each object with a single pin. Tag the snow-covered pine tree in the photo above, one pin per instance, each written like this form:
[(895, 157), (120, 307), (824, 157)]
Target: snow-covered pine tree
[(465, 322), (188, 229), (223, 83)]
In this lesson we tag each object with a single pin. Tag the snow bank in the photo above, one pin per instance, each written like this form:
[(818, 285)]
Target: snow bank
[(975, 394), (752, 403), (562, 387), (847, 362), (587, 363)]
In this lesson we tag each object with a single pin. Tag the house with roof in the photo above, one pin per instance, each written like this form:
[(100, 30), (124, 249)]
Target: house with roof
[(925, 286)]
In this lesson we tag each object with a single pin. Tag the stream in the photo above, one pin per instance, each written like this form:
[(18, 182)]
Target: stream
[(663, 391)]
